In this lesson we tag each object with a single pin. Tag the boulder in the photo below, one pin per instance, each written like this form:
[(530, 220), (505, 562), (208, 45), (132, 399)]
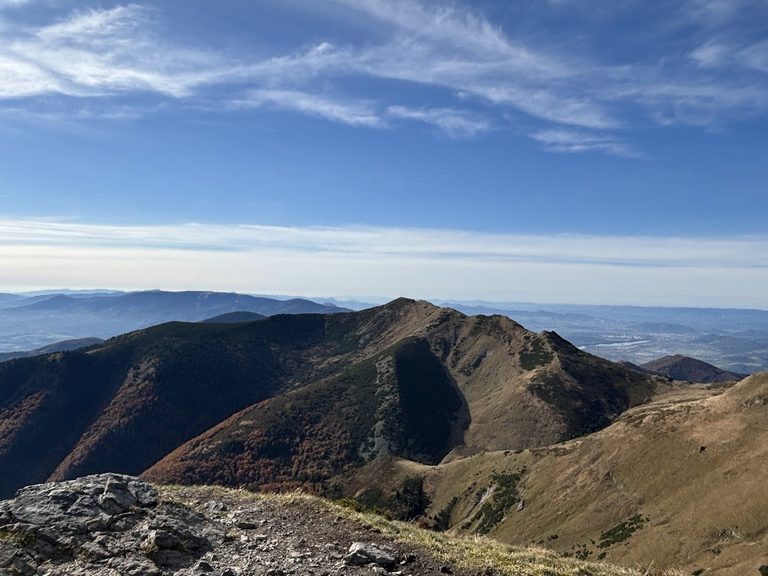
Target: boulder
[(112, 520), (362, 553)]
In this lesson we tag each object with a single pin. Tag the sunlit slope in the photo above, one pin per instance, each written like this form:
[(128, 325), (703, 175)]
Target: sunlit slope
[(678, 482)]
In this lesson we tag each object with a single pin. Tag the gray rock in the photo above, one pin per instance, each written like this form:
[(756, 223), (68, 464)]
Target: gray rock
[(111, 523), (115, 525), (361, 553), (76, 504), (7, 554), (215, 506)]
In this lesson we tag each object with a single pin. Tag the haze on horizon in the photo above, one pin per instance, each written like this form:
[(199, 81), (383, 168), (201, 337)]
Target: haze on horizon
[(546, 152)]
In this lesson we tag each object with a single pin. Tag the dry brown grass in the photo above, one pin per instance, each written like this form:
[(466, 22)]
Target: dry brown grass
[(472, 553), (694, 465)]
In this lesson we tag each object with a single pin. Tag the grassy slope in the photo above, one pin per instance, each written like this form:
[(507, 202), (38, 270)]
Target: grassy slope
[(470, 553), (700, 509), (690, 369)]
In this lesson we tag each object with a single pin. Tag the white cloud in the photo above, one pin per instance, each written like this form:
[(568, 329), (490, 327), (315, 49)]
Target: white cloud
[(19, 79), (711, 55), (455, 123), (414, 242), (733, 55), (463, 30), (457, 49), (756, 56), (387, 262), (105, 53), (85, 27), (560, 140), (361, 113)]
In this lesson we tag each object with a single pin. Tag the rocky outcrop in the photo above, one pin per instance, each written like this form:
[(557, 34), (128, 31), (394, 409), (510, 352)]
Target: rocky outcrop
[(361, 554), (106, 524), (116, 525)]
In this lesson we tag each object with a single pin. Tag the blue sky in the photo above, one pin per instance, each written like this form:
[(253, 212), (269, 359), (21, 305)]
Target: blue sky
[(552, 150)]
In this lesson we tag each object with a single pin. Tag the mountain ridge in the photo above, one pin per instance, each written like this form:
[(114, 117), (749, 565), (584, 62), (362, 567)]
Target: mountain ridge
[(690, 369), (163, 386), (63, 346), (38, 321), (234, 317)]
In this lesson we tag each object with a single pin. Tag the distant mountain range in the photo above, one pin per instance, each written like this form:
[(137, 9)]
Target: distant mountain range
[(63, 346), (30, 322), (234, 318), (735, 340)]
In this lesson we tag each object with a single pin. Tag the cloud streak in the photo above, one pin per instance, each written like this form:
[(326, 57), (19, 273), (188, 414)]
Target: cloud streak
[(360, 113), (411, 243), (387, 262), (569, 141), (455, 123)]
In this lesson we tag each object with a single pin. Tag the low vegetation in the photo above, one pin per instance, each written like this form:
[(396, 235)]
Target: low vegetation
[(621, 531), (534, 355), (504, 495), (408, 503), (474, 553)]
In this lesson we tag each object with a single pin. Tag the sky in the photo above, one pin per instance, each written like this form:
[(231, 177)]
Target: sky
[(527, 150)]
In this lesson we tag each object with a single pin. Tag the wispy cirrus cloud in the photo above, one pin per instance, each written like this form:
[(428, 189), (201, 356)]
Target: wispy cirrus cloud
[(569, 141), (93, 25), (724, 54), (353, 113), (455, 123), (730, 271), (449, 48), (106, 53)]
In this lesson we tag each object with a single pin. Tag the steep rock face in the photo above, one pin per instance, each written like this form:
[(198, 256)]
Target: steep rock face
[(454, 384)]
